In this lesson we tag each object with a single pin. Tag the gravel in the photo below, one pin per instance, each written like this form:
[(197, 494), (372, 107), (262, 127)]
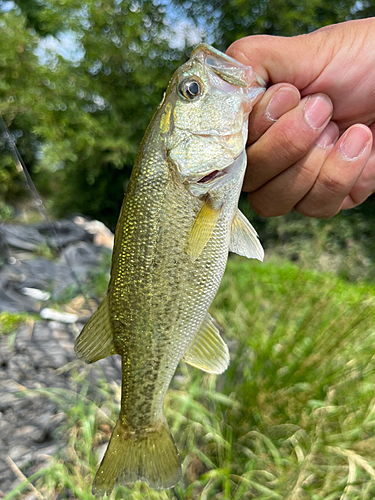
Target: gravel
[(37, 355), (28, 424)]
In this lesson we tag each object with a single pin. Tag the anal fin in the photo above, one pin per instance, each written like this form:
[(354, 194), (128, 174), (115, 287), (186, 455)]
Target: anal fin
[(244, 239), (208, 351), (96, 340)]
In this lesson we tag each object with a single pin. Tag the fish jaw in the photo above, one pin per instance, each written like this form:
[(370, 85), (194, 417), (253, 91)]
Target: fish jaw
[(218, 180)]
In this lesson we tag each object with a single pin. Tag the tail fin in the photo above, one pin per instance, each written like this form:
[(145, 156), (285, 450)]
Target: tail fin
[(149, 456)]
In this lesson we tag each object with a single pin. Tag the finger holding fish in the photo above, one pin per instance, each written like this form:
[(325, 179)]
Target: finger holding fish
[(339, 173), (287, 141), (277, 101), (274, 198), (364, 186)]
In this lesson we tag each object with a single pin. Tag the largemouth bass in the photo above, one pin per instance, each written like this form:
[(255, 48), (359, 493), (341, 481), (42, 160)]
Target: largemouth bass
[(177, 223)]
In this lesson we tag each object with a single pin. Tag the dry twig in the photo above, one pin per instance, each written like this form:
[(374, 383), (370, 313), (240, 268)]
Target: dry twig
[(23, 478)]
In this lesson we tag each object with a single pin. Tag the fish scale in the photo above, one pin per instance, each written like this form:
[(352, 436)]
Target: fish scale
[(178, 221)]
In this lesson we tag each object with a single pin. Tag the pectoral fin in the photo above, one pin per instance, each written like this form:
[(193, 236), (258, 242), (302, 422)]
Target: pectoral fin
[(208, 351), (202, 230), (244, 239), (96, 341)]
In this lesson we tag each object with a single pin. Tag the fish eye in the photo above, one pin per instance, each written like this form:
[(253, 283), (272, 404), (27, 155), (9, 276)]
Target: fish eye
[(190, 88)]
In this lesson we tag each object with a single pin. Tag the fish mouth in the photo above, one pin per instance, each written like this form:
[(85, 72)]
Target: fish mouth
[(216, 177), (213, 176)]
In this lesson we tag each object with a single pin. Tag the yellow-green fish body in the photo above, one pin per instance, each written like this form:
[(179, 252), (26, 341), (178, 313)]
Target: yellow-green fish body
[(178, 221)]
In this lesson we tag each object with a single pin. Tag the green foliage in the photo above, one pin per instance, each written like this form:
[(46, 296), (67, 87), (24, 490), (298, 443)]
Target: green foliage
[(9, 322), (19, 73), (80, 80), (227, 21), (343, 244), (98, 281), (292, 418), (82, 116)]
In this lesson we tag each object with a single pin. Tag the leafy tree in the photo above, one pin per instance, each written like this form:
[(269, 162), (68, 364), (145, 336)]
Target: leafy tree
[(229, 20), (80, 80), (19, 74), (89, 109)]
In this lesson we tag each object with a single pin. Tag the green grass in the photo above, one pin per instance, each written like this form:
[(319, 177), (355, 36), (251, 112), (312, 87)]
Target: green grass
[(9, 322), (292, 418)]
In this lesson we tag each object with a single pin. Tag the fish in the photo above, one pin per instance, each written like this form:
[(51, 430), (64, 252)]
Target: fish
[(178, 221)]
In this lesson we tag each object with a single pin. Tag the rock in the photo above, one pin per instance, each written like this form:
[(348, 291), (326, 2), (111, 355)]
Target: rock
[(36, 294), (20, 366), (5, 352), (18, 452), (4, 249), (26, 280), (41, 356), (45, 453), (22, 339), (39, 434), (56, 358), (54, 315), (64, 231), (102, 235), (6, 401), (22, 237)]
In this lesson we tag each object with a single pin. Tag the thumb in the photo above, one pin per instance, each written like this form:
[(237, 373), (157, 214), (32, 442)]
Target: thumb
[(276, 59)]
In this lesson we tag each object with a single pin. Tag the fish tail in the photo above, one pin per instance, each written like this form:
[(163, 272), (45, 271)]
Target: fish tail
[(149, 455)]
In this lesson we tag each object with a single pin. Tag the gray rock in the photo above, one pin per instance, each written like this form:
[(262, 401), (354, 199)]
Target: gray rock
[(6, 401), (22, 339), (22, 237), (19, 366), (4, 249), (29, 425), (18, 452), (45, 453), (39, 434)]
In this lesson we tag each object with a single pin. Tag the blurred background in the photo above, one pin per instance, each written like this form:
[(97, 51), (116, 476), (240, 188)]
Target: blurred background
[(294, 415)]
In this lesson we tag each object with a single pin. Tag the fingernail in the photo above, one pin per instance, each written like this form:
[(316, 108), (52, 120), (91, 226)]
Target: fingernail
[(354, 143), (328, 137), (282, 101), (317, 110)]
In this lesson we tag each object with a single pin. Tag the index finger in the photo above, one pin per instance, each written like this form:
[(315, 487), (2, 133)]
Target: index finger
[(277, 100)]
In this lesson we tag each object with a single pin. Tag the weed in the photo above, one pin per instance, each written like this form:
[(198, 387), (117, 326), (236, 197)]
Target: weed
[(9, 322), (292, 418)]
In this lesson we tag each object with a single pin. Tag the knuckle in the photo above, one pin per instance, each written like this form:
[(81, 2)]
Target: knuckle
[(289, 146), (332, 185)]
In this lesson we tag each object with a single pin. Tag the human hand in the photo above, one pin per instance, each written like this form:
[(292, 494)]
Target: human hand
[(314, 154)]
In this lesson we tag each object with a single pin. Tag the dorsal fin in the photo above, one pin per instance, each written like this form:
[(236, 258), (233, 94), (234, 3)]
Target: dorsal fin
[(244, 239), (208, 351)]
